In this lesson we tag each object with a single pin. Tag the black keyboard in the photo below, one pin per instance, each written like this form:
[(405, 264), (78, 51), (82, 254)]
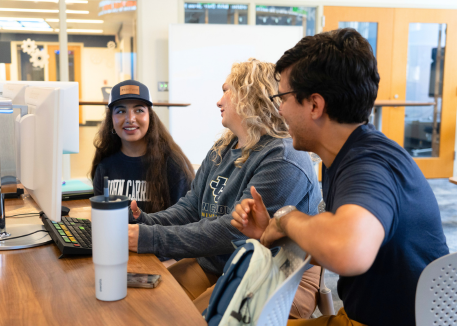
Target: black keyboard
[(71, 235)]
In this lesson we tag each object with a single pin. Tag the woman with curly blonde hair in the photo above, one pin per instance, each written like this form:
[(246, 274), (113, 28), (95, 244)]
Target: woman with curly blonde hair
[(254, 151)]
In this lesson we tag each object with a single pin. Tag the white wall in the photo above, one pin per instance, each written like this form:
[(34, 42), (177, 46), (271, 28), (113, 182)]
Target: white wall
[(97, 65), (2, 72), (153, 18), (200, 61)]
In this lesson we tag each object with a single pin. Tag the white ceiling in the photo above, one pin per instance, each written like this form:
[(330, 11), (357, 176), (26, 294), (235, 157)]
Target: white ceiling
[(110, 26)]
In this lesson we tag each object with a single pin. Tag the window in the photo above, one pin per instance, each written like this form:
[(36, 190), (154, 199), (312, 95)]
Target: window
[(368, 30), (26, 70), (287, 16), (215, 13)]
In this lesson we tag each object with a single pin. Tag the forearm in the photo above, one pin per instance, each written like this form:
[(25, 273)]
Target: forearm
[(178, 214), (204, 238), (339, 242)]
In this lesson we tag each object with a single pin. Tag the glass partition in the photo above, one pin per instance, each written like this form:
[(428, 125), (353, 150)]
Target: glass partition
[(215, 13), (424, 83), (367, 30), (26, 69), (287, 16)]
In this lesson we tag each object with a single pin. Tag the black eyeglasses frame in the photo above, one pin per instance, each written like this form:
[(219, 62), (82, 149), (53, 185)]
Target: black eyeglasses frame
[(280, 94)]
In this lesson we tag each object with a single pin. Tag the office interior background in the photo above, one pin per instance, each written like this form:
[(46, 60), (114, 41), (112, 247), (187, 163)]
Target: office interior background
[(183, 51)]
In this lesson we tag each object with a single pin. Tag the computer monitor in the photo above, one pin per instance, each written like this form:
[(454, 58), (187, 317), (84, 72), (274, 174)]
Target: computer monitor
[(54, 124), (68, 107), (50, 129), (15, 92)]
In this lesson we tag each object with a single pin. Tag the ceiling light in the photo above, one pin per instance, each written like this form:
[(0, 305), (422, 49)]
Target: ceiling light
[(51, 11), (21, 23), (77, 11), (55, 1), (87, 21), (27, 19), (75, 30), (27, 29)]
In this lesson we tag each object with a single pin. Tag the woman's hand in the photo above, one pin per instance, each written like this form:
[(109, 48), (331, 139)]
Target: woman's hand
[(135, 210), (251, 217), (271, 234), (134, 232)]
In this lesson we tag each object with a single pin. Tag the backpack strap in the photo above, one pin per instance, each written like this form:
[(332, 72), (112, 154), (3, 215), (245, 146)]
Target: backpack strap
[(227, 284)]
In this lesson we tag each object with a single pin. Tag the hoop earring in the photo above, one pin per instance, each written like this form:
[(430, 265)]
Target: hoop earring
[(113, 131)]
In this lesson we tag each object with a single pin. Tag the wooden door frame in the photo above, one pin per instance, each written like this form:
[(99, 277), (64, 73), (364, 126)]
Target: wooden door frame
[(384, 18), (7, 71), (77, 67), (403, 17), (391, 116), (393, 29)]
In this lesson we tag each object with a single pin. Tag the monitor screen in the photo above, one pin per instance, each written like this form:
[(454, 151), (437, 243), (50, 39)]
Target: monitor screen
[(50, 129)]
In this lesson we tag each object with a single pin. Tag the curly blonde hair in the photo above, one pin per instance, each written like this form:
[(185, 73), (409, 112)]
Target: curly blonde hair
[(250, 84)]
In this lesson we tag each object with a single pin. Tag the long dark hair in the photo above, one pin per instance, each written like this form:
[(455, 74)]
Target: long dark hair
[(160, 147)]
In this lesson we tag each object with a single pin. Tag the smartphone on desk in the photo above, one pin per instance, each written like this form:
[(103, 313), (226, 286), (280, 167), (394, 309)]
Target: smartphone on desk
[(135, 280)]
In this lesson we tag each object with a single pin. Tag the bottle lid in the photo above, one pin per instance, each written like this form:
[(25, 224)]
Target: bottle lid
[(115, 202)]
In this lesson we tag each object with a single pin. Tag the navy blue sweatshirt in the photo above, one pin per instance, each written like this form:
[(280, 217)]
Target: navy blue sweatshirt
[(127, 177)]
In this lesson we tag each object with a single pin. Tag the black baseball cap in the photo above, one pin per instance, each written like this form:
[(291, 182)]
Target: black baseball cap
[(129, 90)]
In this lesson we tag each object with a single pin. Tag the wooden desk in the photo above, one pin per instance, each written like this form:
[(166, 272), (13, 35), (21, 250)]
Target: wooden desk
[(37, 288), (453, 180)]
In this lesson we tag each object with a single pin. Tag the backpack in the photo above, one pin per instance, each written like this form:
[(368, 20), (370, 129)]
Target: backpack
[(250, 276)]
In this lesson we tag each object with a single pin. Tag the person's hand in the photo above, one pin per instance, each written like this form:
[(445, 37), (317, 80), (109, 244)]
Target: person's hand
[(251, 217), (134, 232), (135, 210), (271, 234)]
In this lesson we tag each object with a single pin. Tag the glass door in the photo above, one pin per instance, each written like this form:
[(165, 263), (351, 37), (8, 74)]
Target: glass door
[(414, 64), (375, 24), (424, 71)]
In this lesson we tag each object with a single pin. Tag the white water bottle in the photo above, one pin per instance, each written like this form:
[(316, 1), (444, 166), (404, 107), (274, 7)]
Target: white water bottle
[(110, 246)]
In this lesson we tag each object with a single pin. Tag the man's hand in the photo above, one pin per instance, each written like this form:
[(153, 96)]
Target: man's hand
[(271, 234), (134, 232), (251, 217), (135, 210)]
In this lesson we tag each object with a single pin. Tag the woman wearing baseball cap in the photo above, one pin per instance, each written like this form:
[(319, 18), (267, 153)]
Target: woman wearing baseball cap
[(136, 152), (254, 151)]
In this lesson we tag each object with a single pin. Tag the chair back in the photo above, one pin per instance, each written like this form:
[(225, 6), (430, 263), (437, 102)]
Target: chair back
[(436, 293)]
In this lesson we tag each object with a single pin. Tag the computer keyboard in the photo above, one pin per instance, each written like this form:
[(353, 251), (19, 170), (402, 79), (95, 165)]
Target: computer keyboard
[(72, 235)]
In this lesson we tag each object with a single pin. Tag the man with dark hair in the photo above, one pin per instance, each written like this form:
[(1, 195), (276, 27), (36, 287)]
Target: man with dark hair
[(382, 224)]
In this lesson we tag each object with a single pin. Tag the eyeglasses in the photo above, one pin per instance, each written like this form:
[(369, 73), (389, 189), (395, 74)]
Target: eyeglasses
[(280, 94)]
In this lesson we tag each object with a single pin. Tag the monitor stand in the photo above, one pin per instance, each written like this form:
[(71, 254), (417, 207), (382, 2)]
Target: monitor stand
[(13, 240)]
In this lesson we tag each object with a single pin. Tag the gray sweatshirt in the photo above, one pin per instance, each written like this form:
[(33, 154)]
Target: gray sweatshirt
[(198, 225)]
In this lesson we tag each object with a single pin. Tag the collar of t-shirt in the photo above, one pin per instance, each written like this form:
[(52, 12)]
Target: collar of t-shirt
[(354, 137), (124, 157)]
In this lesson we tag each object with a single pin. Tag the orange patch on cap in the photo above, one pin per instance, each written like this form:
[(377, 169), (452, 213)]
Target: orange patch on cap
[(130, 89)]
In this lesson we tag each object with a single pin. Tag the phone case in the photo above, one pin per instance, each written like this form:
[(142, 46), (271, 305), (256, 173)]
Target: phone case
[(135, 280)]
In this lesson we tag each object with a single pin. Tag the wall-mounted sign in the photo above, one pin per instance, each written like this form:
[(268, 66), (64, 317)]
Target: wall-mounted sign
[(114, 6)]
